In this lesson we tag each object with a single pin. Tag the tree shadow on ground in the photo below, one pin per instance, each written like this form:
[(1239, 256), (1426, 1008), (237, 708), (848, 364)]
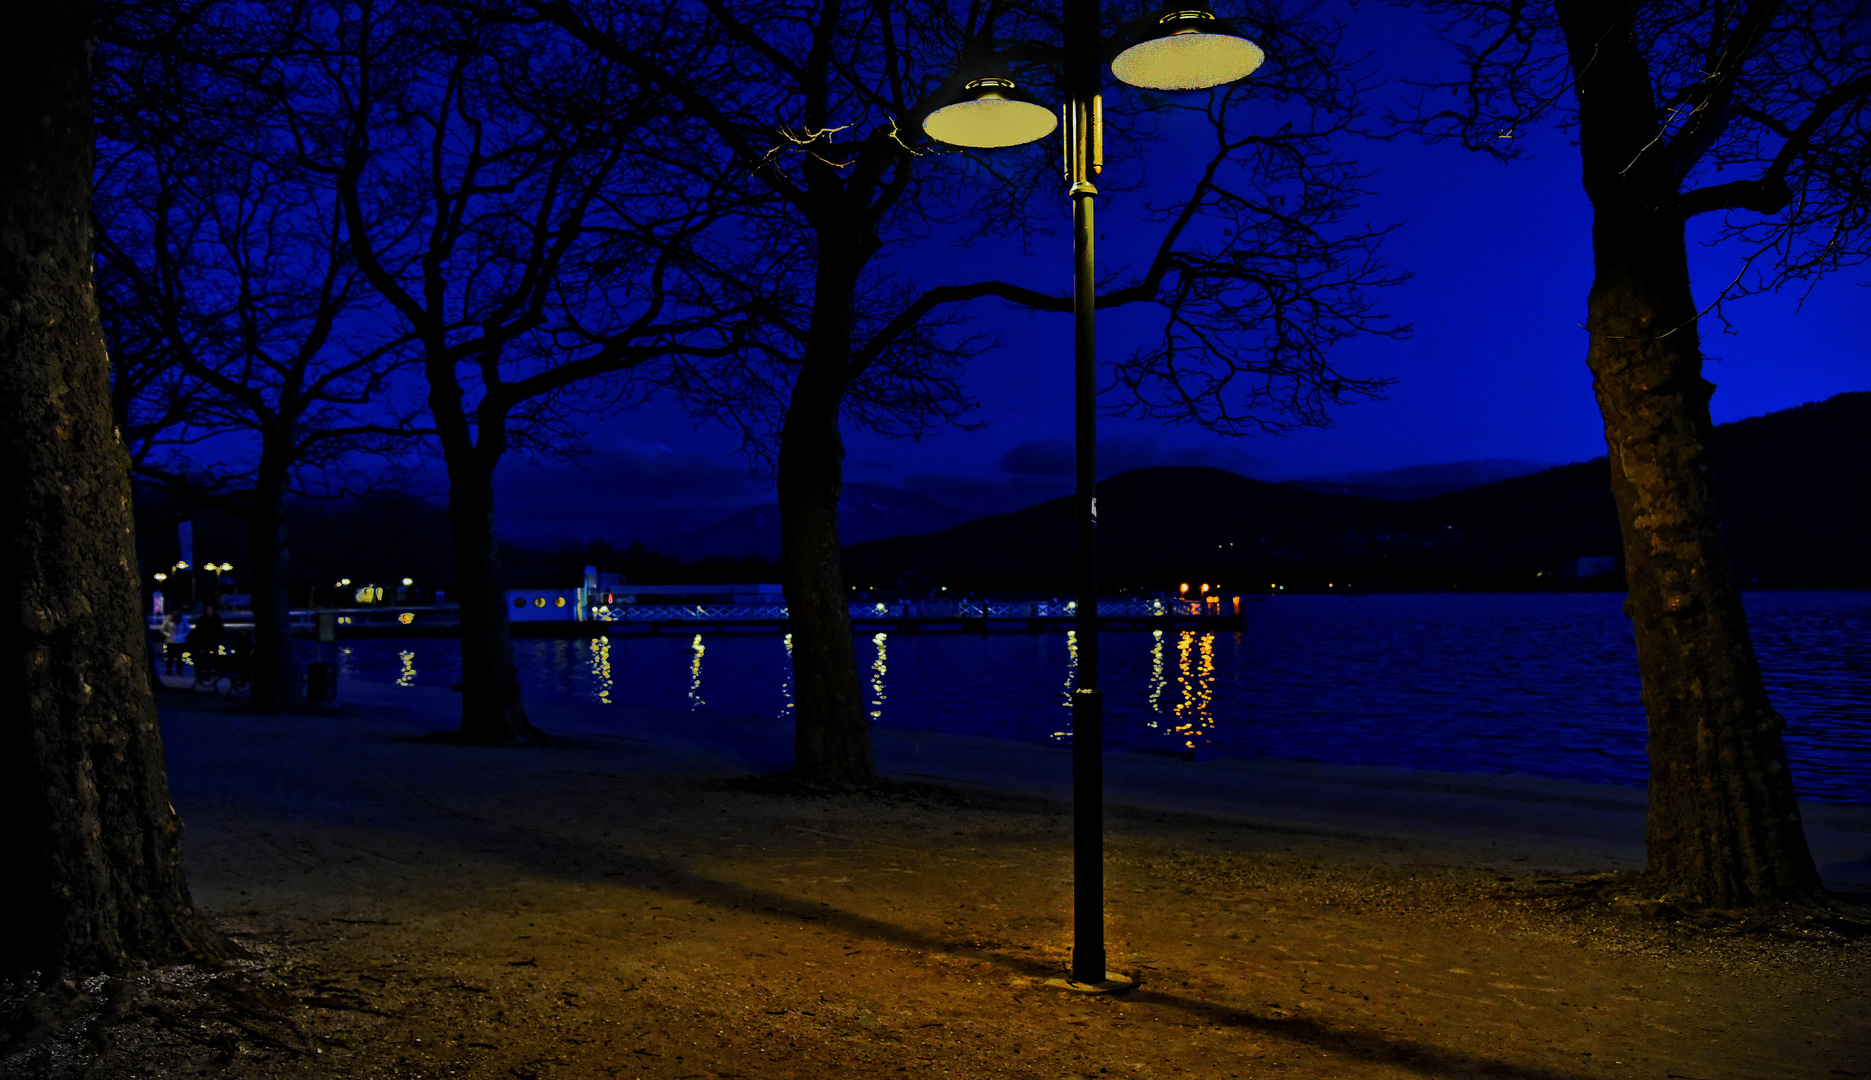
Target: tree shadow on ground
[(1356, 1043)]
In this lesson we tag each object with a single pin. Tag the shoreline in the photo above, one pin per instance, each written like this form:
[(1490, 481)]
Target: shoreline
[(1376, 813)]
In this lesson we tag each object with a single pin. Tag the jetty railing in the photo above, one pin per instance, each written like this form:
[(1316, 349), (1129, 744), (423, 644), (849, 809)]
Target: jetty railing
[(909, 609), (390, 618)]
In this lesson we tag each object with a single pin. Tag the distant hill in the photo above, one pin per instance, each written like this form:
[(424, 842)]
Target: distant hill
[(1421, 481), (1794, 489), (866, 512)]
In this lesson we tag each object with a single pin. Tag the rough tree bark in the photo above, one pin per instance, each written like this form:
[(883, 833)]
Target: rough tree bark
[(92, 846), (1724, 826)]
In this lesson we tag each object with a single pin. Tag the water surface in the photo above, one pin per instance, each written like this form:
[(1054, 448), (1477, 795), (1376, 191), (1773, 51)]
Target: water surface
[(1540, 683)]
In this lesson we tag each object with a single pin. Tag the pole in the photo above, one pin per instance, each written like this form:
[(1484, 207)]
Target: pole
[(1083, 152)]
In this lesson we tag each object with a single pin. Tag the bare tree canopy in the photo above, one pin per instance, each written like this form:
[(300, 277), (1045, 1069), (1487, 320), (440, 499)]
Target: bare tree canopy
[(490, 205), (811, 116), (246, 365), (1755, 112)]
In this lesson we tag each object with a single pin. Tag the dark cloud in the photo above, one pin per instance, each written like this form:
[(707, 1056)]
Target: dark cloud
[(1044, 457), (1059, 457), (628, 491)]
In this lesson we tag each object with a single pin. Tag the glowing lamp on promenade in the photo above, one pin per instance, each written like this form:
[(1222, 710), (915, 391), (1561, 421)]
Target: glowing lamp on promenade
[(1187, 49), (992, 112)]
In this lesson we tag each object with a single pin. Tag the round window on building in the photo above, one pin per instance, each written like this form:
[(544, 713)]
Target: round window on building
[(519, 601), (539, 601), (558, 601)]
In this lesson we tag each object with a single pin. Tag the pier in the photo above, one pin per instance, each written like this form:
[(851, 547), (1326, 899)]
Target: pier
[(902, 617)]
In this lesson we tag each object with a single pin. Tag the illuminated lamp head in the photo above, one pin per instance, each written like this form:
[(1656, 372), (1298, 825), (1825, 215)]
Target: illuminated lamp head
[(1187, 49), (990, 111)]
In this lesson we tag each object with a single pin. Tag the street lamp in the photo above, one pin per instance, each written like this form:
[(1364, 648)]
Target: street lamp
[(1187, 48)]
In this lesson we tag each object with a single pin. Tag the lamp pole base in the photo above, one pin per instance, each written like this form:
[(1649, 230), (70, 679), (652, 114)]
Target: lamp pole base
[(1112, 983)]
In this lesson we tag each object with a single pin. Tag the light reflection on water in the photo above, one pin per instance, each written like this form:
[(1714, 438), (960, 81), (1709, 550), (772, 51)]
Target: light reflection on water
[(786, 682), (601, 669), (879, 670), (1543, 684), (1158, 681), (1195, 674)]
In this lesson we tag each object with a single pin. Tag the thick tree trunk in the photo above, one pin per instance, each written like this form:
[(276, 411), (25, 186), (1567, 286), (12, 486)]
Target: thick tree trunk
[(1724, 828), (276, 682), (831, 739), (92, 847), (491, 710)]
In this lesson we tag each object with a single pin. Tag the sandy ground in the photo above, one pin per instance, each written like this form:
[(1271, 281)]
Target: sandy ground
[(624, 907)]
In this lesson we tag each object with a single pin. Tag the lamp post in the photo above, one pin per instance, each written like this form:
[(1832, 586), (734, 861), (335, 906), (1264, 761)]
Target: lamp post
[(1186, 48)]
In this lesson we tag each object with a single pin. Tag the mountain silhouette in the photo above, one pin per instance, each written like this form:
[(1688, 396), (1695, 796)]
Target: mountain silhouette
[(1793, 488)]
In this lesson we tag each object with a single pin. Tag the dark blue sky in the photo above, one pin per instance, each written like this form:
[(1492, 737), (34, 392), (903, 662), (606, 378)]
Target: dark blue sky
[(1500, 255)]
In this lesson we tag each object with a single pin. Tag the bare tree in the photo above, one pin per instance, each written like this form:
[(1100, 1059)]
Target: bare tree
[(813, 112), (491, 205), (250, 368), (92, 846), (1756, 112)]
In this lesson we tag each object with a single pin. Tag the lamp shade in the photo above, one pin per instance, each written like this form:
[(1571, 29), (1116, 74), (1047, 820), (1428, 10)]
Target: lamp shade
[(991, 112), (1188, 49)]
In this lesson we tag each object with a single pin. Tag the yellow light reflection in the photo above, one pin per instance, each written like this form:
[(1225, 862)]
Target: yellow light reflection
[(1071, 677), (1192, 717), (878, 671), (786, 688), (695, 674), (601, 667), (407, 676), (1158, 683), (1071, 665), (1195, 674)]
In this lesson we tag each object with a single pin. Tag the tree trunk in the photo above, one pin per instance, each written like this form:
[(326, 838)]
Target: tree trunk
[(92, 847), (1724, 827), (491, 710), (831, 735), (275, 666)]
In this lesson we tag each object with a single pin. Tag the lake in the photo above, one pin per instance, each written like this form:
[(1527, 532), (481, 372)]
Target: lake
[(1542, 683)]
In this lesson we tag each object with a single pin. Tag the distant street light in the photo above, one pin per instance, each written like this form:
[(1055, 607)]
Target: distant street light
[(1186, 48)]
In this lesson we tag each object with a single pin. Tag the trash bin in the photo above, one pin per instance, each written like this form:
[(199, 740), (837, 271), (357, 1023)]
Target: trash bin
[(321, 682)]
